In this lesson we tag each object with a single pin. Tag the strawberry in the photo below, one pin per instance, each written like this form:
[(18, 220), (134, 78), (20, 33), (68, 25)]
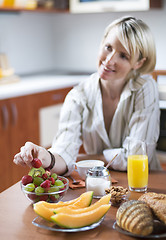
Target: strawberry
[(45, 176), (52, 180), (43, 198), (36, 163), (26, 179), (45, 184)]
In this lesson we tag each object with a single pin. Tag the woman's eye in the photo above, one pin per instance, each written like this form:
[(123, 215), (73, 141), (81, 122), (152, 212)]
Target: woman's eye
[(108, 47), (124, 56)]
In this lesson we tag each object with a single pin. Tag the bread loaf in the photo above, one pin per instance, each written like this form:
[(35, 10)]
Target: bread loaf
[(157, 202), (136, 217)]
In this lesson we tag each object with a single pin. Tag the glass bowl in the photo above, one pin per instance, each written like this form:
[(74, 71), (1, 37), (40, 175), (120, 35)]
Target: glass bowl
[(51, 197), (119, 195)]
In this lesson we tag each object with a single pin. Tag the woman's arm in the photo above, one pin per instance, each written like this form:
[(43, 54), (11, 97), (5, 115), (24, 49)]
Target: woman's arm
[(60, 166), (65, 145), (69, 136)]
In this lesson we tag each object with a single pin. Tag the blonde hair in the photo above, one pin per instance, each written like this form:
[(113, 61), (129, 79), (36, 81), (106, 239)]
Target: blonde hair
[(136, 37)]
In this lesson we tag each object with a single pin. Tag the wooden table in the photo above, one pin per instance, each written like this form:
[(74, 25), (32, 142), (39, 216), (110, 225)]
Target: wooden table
[(16, 213)]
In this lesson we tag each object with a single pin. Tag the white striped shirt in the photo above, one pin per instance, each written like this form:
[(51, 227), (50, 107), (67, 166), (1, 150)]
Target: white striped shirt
[(81, 121)]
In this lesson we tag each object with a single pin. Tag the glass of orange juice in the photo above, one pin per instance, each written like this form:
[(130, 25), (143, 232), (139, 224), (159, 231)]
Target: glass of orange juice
[(137, 166)]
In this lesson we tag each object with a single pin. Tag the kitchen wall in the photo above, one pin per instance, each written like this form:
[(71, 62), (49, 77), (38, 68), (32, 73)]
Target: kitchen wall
[(37, 42), (27, 39)]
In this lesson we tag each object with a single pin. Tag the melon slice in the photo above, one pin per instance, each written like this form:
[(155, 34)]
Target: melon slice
[(84, 200), (43, 211), (46, 210), (73, 210), (80, 220), (86, 196)]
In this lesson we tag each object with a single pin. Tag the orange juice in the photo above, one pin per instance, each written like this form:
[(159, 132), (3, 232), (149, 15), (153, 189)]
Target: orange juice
[(137, 171)]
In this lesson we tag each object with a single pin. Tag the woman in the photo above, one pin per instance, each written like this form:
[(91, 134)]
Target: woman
[(116, 103)]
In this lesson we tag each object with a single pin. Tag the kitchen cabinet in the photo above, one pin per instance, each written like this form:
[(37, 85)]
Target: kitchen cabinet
[(19, 122), (17, 126), (49, 122)]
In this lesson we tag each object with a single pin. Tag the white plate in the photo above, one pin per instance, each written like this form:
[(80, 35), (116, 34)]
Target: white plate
[(40, 222), (159, 231)]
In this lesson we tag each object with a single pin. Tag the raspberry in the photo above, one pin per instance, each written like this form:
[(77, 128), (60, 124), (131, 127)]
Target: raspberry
[(36, 163), (26, 179)]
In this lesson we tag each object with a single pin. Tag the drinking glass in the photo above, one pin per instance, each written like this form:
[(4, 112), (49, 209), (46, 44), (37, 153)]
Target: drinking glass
[(137, 166)]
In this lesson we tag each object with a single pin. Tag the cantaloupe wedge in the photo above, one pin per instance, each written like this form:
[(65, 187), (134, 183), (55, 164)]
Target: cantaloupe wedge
[(43, 211), (46, 210), (70, 210), (80, 220), (83, 197)]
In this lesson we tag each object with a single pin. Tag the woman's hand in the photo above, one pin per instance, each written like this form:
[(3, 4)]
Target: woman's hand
[(30, 151)]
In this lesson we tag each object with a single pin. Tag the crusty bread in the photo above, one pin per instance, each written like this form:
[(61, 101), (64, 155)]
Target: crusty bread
[(157, 202), (136, 217)]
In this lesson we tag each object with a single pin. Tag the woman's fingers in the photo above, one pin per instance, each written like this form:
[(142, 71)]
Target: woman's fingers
[(26, 154), (18, 160), (30, 151)]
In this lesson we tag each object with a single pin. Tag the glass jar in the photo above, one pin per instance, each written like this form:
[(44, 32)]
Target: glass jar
[(98, 179)]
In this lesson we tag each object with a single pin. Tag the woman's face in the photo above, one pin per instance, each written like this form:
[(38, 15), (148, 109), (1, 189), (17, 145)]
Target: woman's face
[(114, 60)]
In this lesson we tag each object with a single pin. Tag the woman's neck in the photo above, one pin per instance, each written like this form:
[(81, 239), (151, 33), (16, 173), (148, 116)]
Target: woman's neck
[(111, 90)]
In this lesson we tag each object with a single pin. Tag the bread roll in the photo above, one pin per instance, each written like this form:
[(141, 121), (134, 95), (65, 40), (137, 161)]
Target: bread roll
[(136, 217), (157, 202)]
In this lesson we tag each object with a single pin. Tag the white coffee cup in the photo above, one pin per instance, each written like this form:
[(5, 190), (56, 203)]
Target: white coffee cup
[(83, 166)]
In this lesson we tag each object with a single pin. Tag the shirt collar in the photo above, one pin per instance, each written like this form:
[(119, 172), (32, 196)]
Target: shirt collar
[(133, 85)]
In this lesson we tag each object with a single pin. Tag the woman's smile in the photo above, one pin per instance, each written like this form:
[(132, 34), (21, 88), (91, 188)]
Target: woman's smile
[(107, 68)]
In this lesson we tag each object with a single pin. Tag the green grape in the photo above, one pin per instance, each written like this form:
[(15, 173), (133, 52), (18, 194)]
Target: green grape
[(39, 190), (54, 175), (53, 189), (59, 183), (30, 187), (38, 180)]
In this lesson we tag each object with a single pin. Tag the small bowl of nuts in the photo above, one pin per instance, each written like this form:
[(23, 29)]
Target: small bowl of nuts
[(119, 195)]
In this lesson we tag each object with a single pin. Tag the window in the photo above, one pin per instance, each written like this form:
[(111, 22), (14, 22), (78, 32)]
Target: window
[(85, 6)]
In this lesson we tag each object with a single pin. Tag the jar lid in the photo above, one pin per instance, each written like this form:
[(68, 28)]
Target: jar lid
[(98, 171)]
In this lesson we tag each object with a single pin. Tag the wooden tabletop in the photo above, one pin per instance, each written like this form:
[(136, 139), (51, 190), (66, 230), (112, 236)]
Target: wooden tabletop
[(16, 213)]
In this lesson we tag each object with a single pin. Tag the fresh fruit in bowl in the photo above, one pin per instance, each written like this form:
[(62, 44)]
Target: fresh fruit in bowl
[(41, 185)]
